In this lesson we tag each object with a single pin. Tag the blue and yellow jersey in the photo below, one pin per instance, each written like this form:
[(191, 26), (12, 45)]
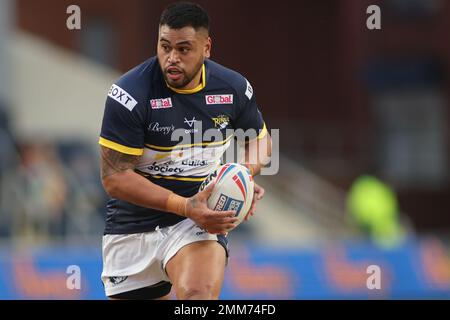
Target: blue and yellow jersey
[(181, 135)]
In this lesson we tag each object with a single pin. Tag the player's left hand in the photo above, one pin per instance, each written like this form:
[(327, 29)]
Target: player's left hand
[(258, 195)]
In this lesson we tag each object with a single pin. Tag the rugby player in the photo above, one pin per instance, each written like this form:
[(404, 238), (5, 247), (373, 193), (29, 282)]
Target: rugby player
[(159, 231)]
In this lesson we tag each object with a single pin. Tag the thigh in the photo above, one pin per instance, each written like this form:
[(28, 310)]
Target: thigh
[(198, 266)]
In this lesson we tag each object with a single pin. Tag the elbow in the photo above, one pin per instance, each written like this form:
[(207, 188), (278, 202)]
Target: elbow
[(269, 146), (266, 156), (111, 186), (268, 150)]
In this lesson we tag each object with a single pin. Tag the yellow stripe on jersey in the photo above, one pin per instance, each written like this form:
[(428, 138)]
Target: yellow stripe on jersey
[(263, 132), (120, 148), (194, 90), (147, 175), (179, 178), (261, 135), (182, 146)]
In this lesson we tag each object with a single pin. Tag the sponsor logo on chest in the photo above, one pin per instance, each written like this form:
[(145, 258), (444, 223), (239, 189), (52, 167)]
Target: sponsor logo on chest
[(162, 103), (219, 99), (156, 127), (221, 121), (191, 123)]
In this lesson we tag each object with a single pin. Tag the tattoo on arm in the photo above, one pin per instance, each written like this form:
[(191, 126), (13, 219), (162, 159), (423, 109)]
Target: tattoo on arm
[(114, 162)]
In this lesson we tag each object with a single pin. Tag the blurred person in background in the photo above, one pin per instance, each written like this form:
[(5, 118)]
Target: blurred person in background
[(373, 207), (7, 142), (7, 165), (42, 192), (86, 194), (86, 173)]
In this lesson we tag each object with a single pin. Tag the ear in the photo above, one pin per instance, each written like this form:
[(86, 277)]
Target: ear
[(208, 47)]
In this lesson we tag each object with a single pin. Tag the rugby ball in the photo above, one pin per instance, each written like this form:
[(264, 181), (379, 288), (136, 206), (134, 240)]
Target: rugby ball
[(233, 190)]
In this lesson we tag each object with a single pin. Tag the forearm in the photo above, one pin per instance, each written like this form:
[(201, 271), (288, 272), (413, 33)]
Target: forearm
[(121, 182), (257, 154), (132, 187)]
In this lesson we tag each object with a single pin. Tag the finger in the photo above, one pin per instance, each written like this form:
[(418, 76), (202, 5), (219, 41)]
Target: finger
[(222, 217), (260, 194), (229, 214), (228, 229), (251, 212), (253, 208), (213, 231), (231, 226), (219, 217), (233, 220), (225, 231), (208, 190)]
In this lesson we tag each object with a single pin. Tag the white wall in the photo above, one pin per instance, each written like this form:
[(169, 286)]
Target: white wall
[(6, 20), (56, 93)]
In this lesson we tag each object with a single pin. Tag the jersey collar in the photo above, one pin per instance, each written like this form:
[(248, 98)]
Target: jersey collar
[(194, 90)]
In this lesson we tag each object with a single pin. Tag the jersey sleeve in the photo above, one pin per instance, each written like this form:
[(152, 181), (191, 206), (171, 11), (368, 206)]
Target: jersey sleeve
[(123, 123), (249, 116)]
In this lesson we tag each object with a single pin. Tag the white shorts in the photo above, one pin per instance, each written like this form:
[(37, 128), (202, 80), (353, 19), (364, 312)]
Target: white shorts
[(134, 261)]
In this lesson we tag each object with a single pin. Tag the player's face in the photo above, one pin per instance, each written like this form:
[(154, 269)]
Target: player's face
[(181, 53)]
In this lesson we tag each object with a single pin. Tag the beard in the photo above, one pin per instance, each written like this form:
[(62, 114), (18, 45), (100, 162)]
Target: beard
[(186, 78)]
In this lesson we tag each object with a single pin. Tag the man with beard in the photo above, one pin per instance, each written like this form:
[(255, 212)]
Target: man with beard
[(159, 231)]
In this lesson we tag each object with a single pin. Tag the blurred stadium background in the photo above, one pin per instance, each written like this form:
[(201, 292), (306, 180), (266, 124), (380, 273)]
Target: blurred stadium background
[(364, 138)]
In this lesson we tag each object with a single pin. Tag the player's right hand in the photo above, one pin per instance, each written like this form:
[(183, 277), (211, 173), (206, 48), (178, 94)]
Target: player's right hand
[(215, 222)]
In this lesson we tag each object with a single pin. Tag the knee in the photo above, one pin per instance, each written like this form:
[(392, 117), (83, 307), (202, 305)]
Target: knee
[(198, 292)]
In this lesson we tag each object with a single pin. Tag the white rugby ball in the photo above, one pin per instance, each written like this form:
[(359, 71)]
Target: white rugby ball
[(233, 190)]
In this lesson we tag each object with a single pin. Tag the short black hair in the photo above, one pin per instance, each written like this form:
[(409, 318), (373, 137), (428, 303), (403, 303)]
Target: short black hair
[(184, 14)]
